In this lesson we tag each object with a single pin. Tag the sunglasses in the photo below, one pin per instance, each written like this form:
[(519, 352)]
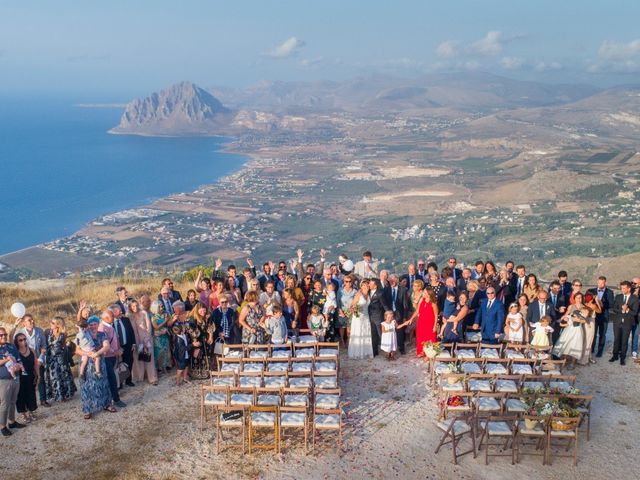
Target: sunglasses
[(224, 303), (577, 284), (22, 340), (3, 335), (491, 293)]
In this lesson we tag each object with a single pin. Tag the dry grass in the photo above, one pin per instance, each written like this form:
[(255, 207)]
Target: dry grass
[(44, 299)]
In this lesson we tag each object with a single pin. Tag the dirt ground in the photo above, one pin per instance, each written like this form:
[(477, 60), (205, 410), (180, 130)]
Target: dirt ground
[(390, 433)]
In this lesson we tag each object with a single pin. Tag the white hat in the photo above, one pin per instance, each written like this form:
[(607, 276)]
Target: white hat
[(347, 266)]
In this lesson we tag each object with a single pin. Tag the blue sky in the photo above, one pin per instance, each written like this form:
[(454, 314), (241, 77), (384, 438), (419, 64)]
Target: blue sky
[(134, 47)]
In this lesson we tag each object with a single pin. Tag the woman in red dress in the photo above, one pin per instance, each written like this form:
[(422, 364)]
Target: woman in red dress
[(427, 314)]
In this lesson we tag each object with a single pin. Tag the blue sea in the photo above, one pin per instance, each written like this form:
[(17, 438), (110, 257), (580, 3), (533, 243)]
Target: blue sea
[(59, 168)]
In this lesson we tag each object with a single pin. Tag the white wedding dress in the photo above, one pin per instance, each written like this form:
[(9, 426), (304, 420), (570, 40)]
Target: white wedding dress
[(360, 345)]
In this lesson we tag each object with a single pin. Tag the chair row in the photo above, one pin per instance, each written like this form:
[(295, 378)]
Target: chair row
[(277, 410), (309, 380), (319, 364), (513, 436), (490, 350), (282, 351), (516, 366)]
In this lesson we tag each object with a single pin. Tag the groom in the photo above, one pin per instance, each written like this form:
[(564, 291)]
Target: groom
[(377, 307)]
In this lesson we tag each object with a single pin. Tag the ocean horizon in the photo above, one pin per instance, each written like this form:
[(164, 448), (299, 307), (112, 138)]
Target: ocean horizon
[(61, 168)]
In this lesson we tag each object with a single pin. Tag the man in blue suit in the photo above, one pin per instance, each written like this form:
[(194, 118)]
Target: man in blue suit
[(490, 317)]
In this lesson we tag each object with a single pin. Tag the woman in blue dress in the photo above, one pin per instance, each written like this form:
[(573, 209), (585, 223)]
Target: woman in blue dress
[(452, 330), (59, 379), (94, 391)]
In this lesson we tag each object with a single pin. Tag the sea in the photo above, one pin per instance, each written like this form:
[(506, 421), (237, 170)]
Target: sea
[(60, 169)]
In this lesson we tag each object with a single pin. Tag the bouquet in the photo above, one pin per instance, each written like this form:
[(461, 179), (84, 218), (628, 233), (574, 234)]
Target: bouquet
[(353, 312), (431, 349)]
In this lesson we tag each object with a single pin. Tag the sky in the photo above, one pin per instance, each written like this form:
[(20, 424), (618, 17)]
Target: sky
[(117, 49)]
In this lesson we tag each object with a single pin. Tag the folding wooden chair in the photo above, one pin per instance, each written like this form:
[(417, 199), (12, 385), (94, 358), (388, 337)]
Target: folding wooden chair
[(304, 350), (231, 418), (466, 350), (472, 365), (440, 367), (583, 405), (325, 379), (523, 366), (481, 382), (466, 407), (328, 349), (223, 379), (327, 398), (517, 403), (497, 366), (508, 383), (490, 351), (451, 383), (539, 353), (212, 396), (561, 383), (532, 432), (515, 350), (257, 351), (534, 383), (502, 429), (304, 365), (253, 365), (300, 380), (278, 365), (264, 419), (282, 351), (326, 365), (447, 351), (233, 350), (454, 429), (326, 419), (269, 396), (275, 379), (551, 367), (295, 418), (226, 364), (563, 437), (250, 379), (487, 404)]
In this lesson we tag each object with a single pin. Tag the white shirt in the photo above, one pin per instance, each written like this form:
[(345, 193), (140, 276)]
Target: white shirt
[(120, 328)]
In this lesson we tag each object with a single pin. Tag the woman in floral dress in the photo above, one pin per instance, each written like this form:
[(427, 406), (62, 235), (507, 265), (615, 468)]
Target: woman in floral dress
[(161, 349), (59, 380)]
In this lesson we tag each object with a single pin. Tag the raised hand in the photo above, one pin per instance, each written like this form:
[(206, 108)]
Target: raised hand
[(272, 265), (323, 253), (218, 263), (293, 264), (250, 262), (299, 252)]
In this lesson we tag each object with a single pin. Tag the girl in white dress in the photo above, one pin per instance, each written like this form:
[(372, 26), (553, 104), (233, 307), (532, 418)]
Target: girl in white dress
[(388, 341), (514, 325), (360, 345)]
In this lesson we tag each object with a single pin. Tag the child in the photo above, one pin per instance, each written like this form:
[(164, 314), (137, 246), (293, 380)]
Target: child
[(514, 325), (181, 354), (388, 341), (331, 304), (317, 323), (84, 341), (541, 332), (13, 366), (451, 330), (276, 326), (449, 304)]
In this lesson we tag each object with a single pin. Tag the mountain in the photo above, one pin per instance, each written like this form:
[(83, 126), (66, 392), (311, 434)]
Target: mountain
[(182, 109)]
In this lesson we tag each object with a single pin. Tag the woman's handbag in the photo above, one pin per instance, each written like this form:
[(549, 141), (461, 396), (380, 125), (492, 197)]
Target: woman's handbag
[(144, 356), (218, 347)]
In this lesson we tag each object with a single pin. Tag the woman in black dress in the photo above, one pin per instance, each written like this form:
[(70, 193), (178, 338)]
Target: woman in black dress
[(60, 384), (26, 403)]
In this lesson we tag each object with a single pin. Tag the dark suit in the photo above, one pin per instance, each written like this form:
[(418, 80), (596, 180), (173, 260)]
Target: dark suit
[(125, 331), (533, 312), (558, 302), (517, 289), (180, 350), (602, 322), (622, 323), (216, 320), (410, 279), (377, 307), (456, 273), (461, 284), (491, 320), (504, 293), (399, 302), (175, 296)]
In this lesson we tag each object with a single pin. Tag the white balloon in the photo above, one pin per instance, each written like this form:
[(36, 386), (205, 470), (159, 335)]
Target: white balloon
[(347, 266), (18, 310)]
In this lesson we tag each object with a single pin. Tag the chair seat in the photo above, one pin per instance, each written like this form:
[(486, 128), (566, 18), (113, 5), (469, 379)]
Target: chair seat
[(460, 408), (236, 422), (443, 354), (536, 386), (281, 353), (224, 382), (489, 353), (479, 385), (500, 429), (258, 354), (253, 367), (495, 369), (521, 369), (562, 386), (441, 368), (269, 399), (233, 353), (212, 398), (562, 433), (514, 405), (506, 386), (250, 381), (513, 354), (465, 353), (230, 367), (292, 419), (536, 431), (326, 382), (459, 427), (552, 373), (328, 352), (471, 368), (305, 353), (263, 419), (327, 401), (325, 366), (300, 382), (275, 382), (307, 339), (296, 400), (452, 387), (327, 421), (488, 404), (301, 367), (277, 367), (473, 336), (241, 399)]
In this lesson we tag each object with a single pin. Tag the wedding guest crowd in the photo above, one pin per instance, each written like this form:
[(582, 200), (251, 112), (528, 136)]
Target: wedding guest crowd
[(357, 303)]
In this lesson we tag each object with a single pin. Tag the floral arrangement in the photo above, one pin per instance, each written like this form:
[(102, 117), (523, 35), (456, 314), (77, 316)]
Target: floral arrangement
[(455, 401), (530, 390), (434, 348), (543, 407), (353, 312)]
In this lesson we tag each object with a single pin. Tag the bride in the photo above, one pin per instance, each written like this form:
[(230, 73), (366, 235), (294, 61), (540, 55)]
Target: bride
[(360, 345)]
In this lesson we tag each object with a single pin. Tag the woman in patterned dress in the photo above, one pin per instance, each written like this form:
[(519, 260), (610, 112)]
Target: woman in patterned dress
[(161, 350), (250, 318), (59, 380)]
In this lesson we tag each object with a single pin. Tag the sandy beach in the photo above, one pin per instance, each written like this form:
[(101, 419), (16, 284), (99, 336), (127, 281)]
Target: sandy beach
[(390, 433)]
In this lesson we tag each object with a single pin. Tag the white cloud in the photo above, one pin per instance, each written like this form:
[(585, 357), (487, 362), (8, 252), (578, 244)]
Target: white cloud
[(289, 47), (448, 49), (619, 51), (490, 44), (511, 63), (546, 66)]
